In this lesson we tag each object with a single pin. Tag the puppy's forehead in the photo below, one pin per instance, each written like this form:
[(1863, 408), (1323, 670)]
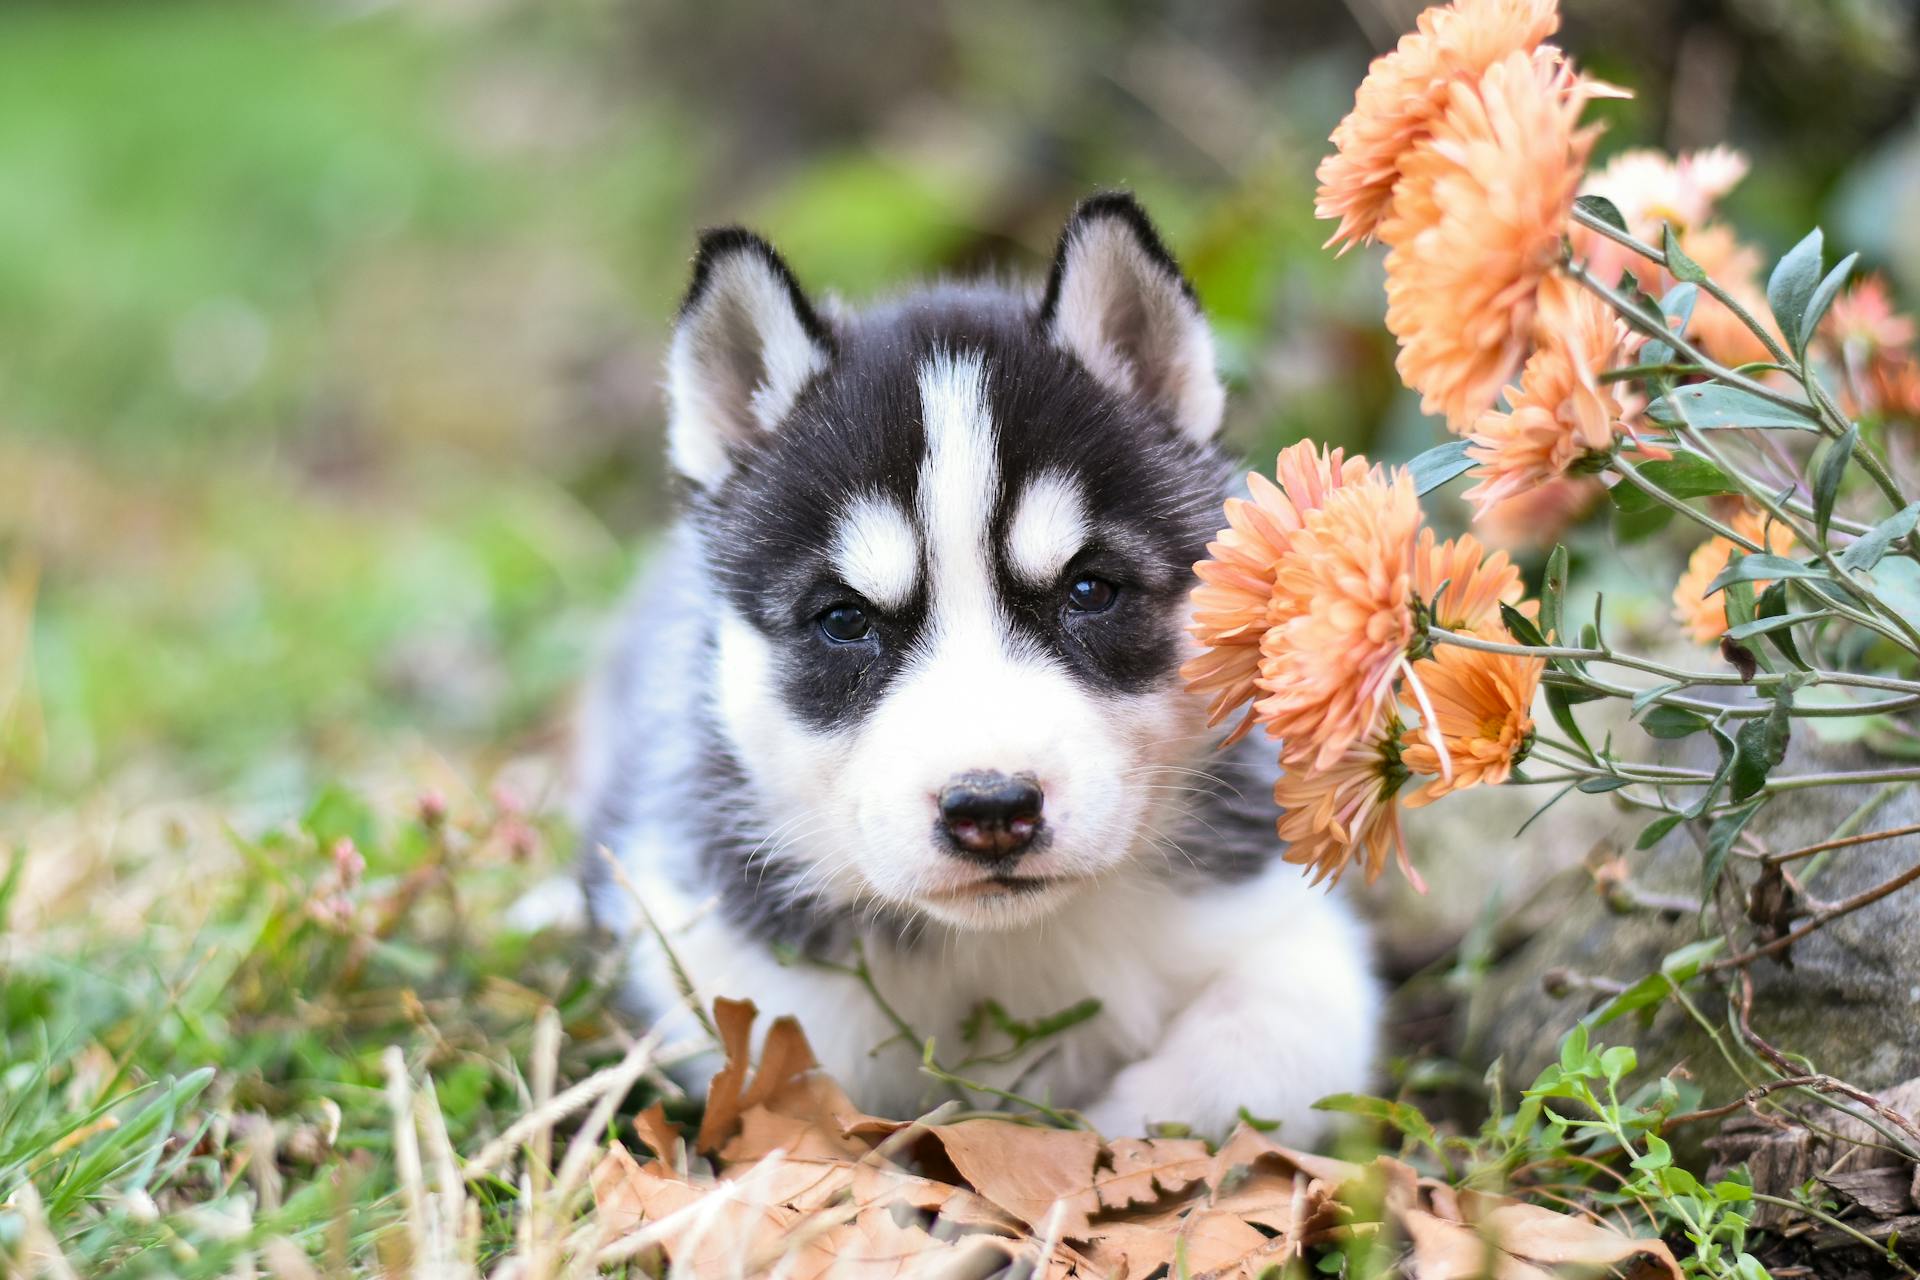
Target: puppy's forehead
[(948, 421)]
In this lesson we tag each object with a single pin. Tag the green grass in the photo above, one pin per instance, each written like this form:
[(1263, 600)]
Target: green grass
[(179, 1095)]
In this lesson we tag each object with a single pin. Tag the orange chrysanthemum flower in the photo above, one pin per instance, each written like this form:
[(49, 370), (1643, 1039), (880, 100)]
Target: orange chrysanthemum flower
[(1335, 812), (1536, 517), (1704, 616), (1560, 412), (1874, 345), (1233, 605), (1476, 225), (1345, 592), (1863, 319), (1404, 91), (1482, 708), (1476, 584)]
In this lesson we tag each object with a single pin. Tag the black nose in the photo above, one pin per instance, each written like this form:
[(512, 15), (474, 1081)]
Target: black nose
[(991, 816)]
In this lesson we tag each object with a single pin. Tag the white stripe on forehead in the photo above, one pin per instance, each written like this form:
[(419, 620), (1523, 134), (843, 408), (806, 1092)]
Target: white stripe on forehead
[(876, 551), (1049, 528), (959, 481)]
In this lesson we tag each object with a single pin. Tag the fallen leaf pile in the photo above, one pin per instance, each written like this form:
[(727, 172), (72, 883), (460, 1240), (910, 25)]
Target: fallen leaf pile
[(786, 1176)]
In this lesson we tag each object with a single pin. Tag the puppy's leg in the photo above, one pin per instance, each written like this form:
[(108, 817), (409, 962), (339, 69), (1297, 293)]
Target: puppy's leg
[(1289, 1015)]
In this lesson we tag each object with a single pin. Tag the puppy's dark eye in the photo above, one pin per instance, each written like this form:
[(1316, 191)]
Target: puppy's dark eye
[(1091, 595), (845, 623)]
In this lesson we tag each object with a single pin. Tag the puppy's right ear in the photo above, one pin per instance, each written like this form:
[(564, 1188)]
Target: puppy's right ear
[(746, 343)]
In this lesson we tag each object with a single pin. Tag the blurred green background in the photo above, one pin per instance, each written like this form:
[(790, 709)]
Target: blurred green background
[(330, 333)]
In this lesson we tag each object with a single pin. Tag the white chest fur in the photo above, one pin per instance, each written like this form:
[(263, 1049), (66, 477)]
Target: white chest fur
[(1265, 983)]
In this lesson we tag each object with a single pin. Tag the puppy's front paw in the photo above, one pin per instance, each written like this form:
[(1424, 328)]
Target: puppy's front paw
[(1146, 1093)]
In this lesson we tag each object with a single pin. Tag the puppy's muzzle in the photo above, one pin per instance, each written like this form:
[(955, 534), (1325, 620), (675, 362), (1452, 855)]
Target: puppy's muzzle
[(991, 817)]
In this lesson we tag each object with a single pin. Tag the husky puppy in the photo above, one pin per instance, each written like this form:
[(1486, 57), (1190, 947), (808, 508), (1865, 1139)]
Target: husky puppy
[(894, 728)]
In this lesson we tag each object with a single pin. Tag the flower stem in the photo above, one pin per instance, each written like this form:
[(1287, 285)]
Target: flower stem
[(1713, 290), (1763, 680)]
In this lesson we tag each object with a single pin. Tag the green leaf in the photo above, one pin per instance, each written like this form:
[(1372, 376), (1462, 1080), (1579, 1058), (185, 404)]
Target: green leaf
[(1670, 722), (1678, 303), (1600, 786), (1685, 475), (1791, 286), (1762, 623), (1729, 754), (1772, 609), (1763, 744), (1407, 1119), (1617, 1062), (1649, 694), (1658, 1155), (1656, 831), (1823, 297), (1553, 590), (1562, 709), (1574, 1052), (1603, 209), (1439, 464), (1872, 545), (1519, 626), (1711, 406), (1898, 582), (1720, 838), (1739, 595), (1684, 963), (1764, 568), (1679, 265), (1645, 994), (1552, 800), (1826, 483), (1637, 526), (1677, 306)]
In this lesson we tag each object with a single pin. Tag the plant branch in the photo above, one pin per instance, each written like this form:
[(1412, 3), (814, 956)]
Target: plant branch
[(1709, 287), (1763, 680), (1818, 920), (1645, 324), (1845, 842)]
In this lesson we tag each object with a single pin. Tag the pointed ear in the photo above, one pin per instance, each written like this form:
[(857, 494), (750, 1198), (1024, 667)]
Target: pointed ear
[(1117, 301), (746, 343)]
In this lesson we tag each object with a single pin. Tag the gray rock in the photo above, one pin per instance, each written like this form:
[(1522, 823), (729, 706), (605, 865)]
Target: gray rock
[(1849, 1000)]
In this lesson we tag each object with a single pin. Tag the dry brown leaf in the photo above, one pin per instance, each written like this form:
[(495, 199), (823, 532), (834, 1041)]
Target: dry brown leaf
[(626, 1193), (1024, 1170), (808, 1115), (800, 1185), (661, 1136), (1544, 1236), (1142, 1171), (1443, 1250), (733, 1020)]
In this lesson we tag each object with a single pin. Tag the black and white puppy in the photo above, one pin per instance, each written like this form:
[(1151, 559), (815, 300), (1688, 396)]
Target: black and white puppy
[(904, 684)]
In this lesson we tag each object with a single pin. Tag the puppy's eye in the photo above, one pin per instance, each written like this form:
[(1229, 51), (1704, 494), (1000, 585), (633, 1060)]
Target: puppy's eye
[(845, 623), (1091, 595)]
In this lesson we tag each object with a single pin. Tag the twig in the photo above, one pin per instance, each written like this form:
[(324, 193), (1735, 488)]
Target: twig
[(1807, 851), (1890, 1124), (1747, 1099), (1819, 919)]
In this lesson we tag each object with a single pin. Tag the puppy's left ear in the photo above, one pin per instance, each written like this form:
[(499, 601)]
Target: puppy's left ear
[(1116, 299)]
